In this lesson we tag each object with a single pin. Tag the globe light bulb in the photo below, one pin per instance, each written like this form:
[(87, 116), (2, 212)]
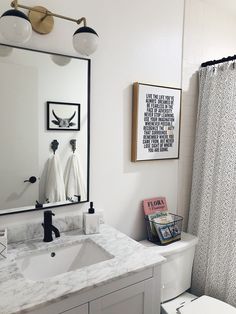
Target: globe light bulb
[(15, 26), (85, 40)]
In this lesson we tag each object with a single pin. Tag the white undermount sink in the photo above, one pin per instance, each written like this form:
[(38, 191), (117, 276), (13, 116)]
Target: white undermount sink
[(58, 260)]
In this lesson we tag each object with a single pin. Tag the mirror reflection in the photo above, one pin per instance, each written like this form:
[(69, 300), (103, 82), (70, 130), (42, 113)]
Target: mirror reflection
[(44, 129)]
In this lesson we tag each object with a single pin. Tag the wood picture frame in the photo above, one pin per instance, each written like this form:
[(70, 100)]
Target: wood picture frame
[(155, 122)]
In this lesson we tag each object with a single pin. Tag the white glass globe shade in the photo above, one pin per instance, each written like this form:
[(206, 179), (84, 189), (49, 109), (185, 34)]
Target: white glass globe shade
[(15, 27), (85, 40), (60, 60)]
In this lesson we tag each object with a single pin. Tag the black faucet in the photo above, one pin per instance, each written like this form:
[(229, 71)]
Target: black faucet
[(48, 227)]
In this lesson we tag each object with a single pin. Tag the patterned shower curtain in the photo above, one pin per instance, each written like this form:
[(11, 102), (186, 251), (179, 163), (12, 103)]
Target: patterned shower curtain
[(213, 199)]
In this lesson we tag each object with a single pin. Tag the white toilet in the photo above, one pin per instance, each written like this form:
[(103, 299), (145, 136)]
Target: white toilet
[(176, 280)]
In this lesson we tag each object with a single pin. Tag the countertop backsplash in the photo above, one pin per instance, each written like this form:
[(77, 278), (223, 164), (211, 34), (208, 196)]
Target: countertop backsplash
[(34, 230)]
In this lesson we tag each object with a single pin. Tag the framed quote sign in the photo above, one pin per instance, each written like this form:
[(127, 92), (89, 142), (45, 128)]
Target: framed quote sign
[(156, 122)]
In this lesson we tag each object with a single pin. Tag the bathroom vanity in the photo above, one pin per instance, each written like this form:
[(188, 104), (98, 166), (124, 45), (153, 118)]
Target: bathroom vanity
[(106, 273)]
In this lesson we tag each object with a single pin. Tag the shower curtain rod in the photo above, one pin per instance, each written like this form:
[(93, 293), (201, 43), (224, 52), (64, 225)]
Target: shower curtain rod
[(213, 62)]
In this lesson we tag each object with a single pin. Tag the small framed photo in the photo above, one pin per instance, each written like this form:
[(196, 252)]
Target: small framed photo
[(155, 122), (63, 116)]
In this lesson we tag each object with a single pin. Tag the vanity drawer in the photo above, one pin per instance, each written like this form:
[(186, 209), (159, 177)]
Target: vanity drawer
[(136, 299), (83, 309), (57, 309)]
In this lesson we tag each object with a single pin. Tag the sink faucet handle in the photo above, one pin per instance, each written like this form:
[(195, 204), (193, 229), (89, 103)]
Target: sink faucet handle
[(48, 227)]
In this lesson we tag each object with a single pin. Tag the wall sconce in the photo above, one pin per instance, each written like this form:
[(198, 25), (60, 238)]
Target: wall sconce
[(16, 27)]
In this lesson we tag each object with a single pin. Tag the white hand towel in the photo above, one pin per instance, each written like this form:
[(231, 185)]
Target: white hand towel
[(55, 187), (74, 181)]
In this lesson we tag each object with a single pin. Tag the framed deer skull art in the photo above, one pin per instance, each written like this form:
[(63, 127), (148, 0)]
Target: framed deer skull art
[(63, 116)]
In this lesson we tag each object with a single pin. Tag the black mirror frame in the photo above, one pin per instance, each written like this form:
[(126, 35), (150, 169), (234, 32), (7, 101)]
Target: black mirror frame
[(15, 211)]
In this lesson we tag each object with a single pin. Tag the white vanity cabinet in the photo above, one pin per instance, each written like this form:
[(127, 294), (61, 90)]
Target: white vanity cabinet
[(136, 299), (138, 293), (83, 309)]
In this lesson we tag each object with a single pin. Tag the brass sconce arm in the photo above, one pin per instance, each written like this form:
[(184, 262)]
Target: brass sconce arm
[(16, 5)]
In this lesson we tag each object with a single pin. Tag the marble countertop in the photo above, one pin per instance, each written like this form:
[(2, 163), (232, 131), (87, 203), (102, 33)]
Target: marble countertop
[(20, 295)]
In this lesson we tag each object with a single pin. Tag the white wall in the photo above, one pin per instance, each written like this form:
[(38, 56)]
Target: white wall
[(208, 35), (139, 41)]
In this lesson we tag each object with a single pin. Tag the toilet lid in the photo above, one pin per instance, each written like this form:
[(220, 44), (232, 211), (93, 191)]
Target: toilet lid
[(207, 305)]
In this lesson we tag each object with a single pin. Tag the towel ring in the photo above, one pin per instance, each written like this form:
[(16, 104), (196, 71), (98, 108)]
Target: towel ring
[(73, 145), (54, 146)]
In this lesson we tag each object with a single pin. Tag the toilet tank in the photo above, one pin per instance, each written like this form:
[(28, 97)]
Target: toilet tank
[(177, 270)]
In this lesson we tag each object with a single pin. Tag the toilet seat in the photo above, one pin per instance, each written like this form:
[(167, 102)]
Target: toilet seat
[(207, 305)]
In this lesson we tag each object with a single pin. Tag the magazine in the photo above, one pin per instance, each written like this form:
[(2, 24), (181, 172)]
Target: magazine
[(174, 229), (154, 205), (156, 217), (164, 234), (168, 233)]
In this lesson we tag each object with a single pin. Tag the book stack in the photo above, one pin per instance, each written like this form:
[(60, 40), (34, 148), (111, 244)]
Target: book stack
[(163, 227)]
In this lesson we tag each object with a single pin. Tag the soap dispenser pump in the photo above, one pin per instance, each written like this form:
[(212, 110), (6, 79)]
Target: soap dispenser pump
[(91, 221), (91, 210)]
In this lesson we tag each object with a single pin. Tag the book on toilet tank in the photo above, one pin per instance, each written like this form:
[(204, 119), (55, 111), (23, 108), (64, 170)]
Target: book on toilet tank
[(155, 205)]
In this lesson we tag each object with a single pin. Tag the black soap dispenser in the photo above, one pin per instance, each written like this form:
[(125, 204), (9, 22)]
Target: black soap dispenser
[(91, 210), (91, 221)]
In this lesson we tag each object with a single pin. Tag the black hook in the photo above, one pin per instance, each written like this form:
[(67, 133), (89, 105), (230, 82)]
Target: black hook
[(54, 146), (73, 144), (38, 205), (31, 180)]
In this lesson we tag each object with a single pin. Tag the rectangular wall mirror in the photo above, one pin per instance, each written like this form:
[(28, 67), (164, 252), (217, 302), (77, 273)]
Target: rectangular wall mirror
[(44, 100)]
